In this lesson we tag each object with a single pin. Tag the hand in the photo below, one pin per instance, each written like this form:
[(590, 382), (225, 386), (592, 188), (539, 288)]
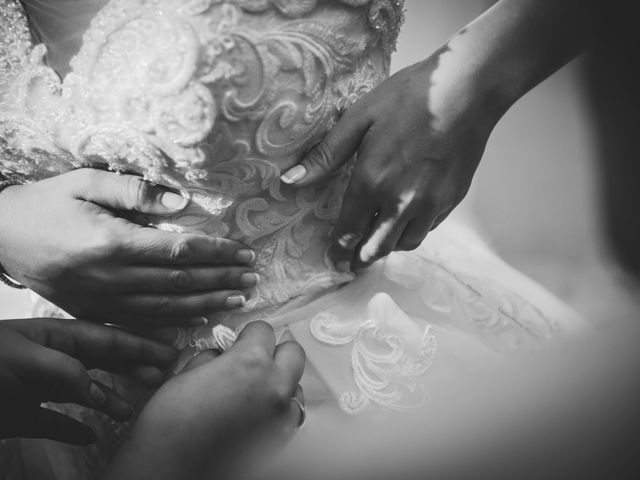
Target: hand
[(60, 238), (208, 417), (417, 149), (46, 360)]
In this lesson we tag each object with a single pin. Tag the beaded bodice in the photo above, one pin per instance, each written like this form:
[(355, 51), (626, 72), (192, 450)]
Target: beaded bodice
[(214, 97)]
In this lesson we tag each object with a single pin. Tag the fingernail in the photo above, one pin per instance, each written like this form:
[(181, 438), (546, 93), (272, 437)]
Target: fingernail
[(246, 256), (348, 241), (97, 394), (236, 301), (294, 175), (249, 279), (173, 201), (343, 266)]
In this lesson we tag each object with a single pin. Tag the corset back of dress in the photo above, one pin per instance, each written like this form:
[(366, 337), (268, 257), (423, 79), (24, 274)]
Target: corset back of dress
[(215, 98)]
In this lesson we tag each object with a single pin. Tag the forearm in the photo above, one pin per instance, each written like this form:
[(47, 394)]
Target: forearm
[(493, 61)]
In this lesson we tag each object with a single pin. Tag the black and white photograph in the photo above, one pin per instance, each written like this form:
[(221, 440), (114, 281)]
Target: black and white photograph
[(319, 240)]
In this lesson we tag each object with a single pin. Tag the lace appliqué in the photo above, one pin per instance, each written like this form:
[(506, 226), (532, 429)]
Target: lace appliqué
[(221, 338), (389, 354), (505, 319), (208, 98)]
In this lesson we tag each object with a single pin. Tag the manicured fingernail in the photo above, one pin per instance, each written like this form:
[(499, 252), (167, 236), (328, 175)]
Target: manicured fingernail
[(348, 241), (343, 266), (173, 201), (246, 256), (249, 279), (236, 301), (294, 175), (98, 396)]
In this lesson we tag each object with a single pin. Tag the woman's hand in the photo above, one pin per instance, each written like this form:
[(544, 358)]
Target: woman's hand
[(417, 150), (60, 238), (419, 135), (46, 360), (218, 412)]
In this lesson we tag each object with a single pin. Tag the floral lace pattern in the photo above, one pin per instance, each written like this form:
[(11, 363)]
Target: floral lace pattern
[(215, 98), (389, 354)]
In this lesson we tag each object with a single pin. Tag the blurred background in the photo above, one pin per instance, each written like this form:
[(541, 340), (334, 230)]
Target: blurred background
[(536, 196)]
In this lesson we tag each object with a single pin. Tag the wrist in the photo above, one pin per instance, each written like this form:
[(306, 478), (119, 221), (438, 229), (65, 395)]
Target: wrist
[(460, 99)]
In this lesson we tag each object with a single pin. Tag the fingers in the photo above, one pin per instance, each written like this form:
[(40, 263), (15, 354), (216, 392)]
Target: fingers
[(148, 245), (198, 278), (172, 308), (54, 376), (111, 403), (358, 211), (340, 144), (381, 239), (165, 335), (414, 233), (95, 345), (256, 336), (290, 358), (44, 423), (126, 192), (150, 376)]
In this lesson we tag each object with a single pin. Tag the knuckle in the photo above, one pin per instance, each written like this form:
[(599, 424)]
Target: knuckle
[(257, 361), (321, 156), (73, 368), (181, 250), (138, 192), (219, 250), (104, 242), (178, 280), (164, 305)]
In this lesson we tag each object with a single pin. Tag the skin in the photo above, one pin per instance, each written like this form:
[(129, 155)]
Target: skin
[(47, 359), (420, 135), (218, 413), (62, 238)]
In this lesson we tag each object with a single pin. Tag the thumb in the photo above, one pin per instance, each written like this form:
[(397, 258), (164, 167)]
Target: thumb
[(126, 192), (326, 157)]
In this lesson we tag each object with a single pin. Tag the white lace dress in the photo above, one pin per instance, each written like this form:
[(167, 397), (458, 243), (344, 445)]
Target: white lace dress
[(217, 98)]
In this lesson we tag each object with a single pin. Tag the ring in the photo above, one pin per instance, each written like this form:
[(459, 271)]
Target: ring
[(298, 399)]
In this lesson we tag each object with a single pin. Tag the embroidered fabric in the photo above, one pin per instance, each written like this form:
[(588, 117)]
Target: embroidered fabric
[(216, 98)]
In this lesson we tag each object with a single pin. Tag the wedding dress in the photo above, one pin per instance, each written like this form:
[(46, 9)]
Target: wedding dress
[(217, 98)]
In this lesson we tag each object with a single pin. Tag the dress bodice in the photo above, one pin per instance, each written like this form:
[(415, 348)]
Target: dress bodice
[(216, 98)]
